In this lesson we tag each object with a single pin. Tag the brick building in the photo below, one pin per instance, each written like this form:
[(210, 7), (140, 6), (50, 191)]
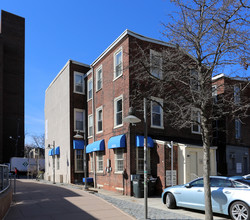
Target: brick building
[(115, 148), (232, 131), (12, 37), (65, 113)]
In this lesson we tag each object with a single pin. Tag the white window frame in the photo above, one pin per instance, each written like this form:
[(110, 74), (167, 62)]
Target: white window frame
[(91, 157), (83, 80), (236, 94), (83, 112), (198, 120), (142, 160), (120, 150), (89, 127), (153, 55), (155, 100), (97, 79), (214, 93), (237, 128), (115, 58), (97, 119), (88, 96), (80, 161), (115, 111), (194, 80), (99, 159)]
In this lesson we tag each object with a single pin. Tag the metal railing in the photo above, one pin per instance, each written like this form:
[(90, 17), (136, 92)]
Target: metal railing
[(4, 178)]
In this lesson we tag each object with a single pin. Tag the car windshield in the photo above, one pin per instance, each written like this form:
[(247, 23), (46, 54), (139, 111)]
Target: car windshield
[(241, 183)]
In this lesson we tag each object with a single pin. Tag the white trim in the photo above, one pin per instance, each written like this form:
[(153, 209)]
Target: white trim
[(96, 78), (138, 36), (83, 82), (161, 113), (218, 76), (89, 136), (115, 111), (83, 112), (90, 79), (154, 53), (97, 110), (122, 152), (114, 60), (199, 121)]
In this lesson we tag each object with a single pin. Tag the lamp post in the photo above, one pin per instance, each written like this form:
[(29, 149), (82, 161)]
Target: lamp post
[(171, 145), (79, 136), (53, 156), (133, 119)]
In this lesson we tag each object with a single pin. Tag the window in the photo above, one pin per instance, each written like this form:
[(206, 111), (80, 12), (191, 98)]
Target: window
[(194, 80), (58, 162), (99, 78), (140, 160), (99, 161), (99, 117), (157, 113), (237, 129), (118, 111), (90, 89), (119, 160), (236, 94), (118, 64), (91, 161), (78, 160), (214, 93), (196, 119), (79, 120), (156, 64), (79, 82), (90, 125)]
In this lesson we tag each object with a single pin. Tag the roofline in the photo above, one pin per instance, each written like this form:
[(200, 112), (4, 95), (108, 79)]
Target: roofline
[(57, 76), (228, 77), (131, 33), (218, 76)]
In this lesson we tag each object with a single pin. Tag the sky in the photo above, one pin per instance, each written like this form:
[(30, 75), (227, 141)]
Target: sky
[(59, 30)]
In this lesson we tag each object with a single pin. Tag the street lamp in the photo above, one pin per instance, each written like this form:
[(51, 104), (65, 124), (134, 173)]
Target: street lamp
[(171, 145), (53, 156), (133, 119), (79, 136)]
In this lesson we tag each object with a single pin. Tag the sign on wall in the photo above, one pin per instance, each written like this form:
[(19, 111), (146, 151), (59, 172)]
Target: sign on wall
[(169, 179)]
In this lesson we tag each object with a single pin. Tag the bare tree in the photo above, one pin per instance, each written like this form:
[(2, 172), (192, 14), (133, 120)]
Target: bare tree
[(38, 141), (205, 36)]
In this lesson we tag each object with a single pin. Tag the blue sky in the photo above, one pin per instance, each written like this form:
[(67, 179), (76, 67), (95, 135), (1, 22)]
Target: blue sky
[(81, 30)]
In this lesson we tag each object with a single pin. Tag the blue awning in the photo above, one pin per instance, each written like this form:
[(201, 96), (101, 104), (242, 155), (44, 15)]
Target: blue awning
[(95, 146), (117, 141), (140, 141), (57, 150), (51, 152), (78, 144)]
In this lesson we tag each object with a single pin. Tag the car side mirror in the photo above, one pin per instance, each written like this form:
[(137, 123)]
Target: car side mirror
[(188, 185)]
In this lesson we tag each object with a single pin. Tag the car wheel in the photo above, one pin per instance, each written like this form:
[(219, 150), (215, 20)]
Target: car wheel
[(240, 210), (170, 201)]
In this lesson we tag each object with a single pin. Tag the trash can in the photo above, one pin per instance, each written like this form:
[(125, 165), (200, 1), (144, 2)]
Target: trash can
[(151, 186), (138, 189)]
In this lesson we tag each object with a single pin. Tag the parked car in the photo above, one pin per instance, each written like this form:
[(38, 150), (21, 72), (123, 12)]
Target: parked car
[(229, 196)]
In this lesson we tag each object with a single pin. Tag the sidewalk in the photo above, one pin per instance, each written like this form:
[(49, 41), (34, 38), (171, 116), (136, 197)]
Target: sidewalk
[(35, 200)]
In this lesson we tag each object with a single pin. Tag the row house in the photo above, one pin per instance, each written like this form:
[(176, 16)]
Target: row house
[(94, 100), (232, 131)]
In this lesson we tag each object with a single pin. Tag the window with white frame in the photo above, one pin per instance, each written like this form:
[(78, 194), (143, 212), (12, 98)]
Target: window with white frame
[(79, 115), (156, 113), (156, 64), (99, 119), (196, 120), (79, 83), (194, 80), (118, 107), (78, 160), (140, 160), (119, 160), (236, 94), (90, 89), (99, 78), (118, 63), (58, 162), (237, 128), (99, 161), (90, 125)]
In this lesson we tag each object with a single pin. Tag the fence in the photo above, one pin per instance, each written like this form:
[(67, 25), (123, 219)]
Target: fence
[(4, 178)]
